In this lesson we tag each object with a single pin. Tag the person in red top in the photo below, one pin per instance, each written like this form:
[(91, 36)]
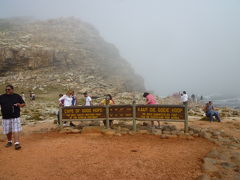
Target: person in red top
[(150, 99)]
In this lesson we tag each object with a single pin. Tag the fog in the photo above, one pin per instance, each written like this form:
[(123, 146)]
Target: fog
[(174, 45)]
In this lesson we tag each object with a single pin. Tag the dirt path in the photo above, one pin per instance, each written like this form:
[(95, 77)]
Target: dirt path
[(76, 156)]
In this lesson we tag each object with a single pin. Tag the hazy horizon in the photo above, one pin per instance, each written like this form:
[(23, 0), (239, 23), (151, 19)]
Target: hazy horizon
[(174, 45)]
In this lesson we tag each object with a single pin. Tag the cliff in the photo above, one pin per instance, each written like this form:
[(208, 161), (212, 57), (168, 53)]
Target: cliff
[(61, 52)]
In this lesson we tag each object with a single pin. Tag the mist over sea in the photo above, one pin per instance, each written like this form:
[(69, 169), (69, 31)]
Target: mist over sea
[(224, 100)]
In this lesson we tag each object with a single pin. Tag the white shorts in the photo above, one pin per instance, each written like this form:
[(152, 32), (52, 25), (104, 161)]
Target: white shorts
[(11, 125)]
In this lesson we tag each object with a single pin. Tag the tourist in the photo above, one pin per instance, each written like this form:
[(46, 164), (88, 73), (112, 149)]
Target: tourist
[(33, 96), (184, 98), (150, 99), (67, 100), (193, 97), (60, 104), (23, 96), (30, 95), (88, 99), (10, 108), (74, 99), (108, 100), (74, 103), (210, 112)]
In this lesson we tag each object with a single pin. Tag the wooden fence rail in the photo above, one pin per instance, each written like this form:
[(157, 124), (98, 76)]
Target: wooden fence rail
[(134, 112)]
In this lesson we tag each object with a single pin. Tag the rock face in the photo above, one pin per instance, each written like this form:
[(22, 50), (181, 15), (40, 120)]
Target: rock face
[(63, 45)]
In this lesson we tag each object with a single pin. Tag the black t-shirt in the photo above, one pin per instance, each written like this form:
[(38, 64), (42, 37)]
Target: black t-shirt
[(8, 109)]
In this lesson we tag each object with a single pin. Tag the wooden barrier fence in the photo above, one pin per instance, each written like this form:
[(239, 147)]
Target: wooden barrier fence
[(134, 112)]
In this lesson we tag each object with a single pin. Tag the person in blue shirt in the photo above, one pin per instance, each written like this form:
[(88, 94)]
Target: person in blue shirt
[(210, 112)]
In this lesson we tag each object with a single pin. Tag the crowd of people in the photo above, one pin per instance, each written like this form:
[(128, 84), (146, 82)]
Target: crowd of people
[(11, 103)]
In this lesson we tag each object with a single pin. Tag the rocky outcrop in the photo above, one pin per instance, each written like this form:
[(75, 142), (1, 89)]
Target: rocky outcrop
[(65, 44)]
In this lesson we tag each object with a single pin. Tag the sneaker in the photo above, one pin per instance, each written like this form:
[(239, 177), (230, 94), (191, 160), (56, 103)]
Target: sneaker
[(17, 146), (8, 144)]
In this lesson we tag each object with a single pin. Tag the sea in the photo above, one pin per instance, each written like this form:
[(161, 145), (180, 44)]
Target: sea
[(224, 101)]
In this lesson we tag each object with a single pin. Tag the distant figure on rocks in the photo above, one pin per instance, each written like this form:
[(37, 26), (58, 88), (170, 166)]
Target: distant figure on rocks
[(88, 99), (193, 97), (10, 106), (184, 98), (150, 99), (67, 100), (210, 112), (108, 100), (23, 96), (32, 96)]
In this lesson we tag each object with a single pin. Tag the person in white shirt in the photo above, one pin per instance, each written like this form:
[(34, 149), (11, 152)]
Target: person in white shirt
[(88, 99), (67, 100), (184, 98)]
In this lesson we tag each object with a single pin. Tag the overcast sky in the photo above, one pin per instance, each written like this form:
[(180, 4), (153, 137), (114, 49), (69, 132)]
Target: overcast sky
[(174, 44)]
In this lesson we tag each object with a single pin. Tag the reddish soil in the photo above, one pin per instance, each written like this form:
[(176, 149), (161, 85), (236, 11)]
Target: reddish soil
[(76, 156)]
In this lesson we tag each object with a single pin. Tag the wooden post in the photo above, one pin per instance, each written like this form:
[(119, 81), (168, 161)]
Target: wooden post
[(134, 117), (186, 119), (107, 116), (60, 117)]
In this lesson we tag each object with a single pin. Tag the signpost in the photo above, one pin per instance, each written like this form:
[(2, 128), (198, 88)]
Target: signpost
[(120, 111), (170, 113), (160, 112), (83, 112)]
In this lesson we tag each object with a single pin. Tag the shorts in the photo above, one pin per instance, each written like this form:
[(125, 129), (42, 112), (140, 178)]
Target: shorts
[(11, 125)]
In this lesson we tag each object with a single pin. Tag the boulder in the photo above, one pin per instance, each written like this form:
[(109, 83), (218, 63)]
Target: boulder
[(235, 157), (143, 132), (236, 177), (163, 136), (215, 154), (69, 130), (209, 165), (205, 135), (157, 132), (166, 132), (204, 177), (108, 132)]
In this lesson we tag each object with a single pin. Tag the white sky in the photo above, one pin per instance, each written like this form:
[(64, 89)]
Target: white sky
[(174, 44)]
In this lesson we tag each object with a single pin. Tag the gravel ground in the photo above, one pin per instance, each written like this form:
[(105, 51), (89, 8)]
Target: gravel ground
[(75, 156)]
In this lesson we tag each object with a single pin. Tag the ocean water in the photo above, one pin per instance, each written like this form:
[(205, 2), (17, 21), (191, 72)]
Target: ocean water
[(234, 103), (223, 101)]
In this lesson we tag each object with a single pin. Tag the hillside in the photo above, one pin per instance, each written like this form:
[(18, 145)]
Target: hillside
[(62, 53)]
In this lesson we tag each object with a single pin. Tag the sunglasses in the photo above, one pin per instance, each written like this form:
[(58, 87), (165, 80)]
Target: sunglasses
[(8, 89)]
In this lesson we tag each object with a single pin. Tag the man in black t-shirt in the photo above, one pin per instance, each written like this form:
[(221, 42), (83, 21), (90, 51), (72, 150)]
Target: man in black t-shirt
[(10, 107)]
